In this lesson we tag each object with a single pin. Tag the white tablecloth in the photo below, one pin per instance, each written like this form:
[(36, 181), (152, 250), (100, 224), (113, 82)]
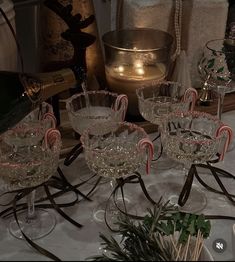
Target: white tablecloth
[(70, 243)]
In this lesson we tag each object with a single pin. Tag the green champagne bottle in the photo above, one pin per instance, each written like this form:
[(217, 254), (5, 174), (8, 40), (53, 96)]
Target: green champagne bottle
[(20, 93)]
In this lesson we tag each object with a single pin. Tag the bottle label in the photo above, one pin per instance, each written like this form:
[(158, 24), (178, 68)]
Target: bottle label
[(33, 87)]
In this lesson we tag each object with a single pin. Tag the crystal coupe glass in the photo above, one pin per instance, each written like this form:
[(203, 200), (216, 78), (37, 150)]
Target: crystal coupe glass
[(28, 167), (192, 138), (29, 155), (31, 129), (90, 107), (115, 151), (159, 99)]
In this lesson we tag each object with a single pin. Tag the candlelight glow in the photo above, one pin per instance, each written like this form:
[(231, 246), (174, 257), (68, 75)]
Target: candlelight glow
[(139, 71), (119, 69), (139, 68), (133, 58), (138, 64), (126, 78)]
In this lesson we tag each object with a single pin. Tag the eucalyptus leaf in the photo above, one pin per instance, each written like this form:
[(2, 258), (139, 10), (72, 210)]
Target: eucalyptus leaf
[(220, 70), (211, 63)]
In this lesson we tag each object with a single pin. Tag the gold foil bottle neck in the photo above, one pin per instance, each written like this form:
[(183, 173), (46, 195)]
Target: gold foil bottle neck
[(39, 87)]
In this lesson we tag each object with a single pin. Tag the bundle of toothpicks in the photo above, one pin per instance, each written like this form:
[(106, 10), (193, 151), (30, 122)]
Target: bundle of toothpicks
[(189, 251)]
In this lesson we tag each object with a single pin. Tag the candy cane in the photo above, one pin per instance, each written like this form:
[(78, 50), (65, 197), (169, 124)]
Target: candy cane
[(121, 101), (49, 108), (51, 117), (190, 94), (220, 130), (51, 136), (44, 108), (142, 144)]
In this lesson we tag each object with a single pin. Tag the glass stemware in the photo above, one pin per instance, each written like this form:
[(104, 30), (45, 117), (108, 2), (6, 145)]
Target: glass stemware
[(217, 66), (157, 100), (193, 138), (115, 152), (31, 130), (29, 156), (90, 107)]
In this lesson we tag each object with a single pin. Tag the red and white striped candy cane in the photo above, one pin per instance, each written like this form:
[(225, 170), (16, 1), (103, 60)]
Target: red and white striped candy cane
[(229, 131), (52, 135), (190, 95), (51, 117), (121, 103), (47, 108), (142, 144)]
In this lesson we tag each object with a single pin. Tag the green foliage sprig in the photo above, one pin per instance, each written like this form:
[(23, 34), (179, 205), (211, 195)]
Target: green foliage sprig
[(148, 240)]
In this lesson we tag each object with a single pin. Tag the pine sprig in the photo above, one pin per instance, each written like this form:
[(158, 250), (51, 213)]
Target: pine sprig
[(153, 238)]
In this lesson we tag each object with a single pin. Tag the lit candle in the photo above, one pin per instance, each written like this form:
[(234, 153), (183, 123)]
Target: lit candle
[(127, 78), (136, 57)]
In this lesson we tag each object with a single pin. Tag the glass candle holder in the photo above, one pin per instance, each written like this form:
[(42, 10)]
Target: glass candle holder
[(133, 58)]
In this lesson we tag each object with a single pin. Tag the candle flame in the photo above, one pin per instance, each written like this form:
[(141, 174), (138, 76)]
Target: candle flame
[(138, 64), (121, 69), (140, 70)]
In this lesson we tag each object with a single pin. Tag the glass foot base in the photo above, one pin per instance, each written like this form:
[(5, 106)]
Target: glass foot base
[(38, 227), (170, 191), (112, 212), (3, 230)]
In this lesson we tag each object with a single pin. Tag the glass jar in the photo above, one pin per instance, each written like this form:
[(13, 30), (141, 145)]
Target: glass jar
[(135, 57)]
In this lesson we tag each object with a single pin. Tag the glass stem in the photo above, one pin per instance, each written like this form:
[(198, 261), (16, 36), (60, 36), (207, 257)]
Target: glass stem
[(31, 209), (157, 143), (221, 94), (186, 170), (113, 183)]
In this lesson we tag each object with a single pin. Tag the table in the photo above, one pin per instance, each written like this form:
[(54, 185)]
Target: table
[(70, 243)]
